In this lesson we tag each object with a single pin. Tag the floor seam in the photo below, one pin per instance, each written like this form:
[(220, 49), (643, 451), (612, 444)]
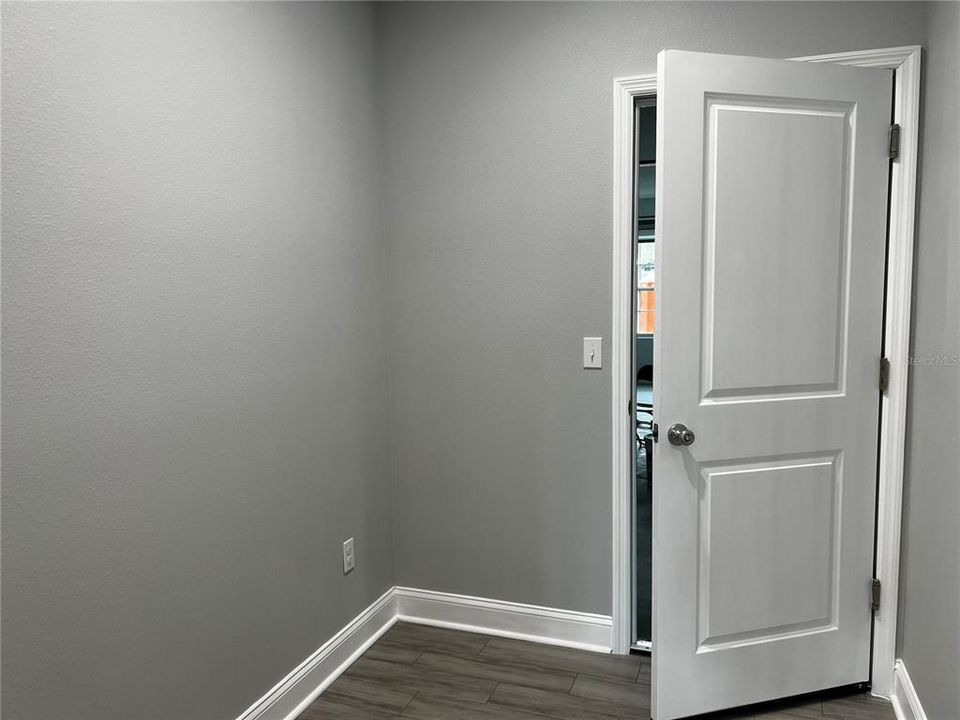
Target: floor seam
[(607, 692), (409, 702)]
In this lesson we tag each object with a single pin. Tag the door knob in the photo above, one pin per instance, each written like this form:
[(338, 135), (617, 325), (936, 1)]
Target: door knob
[(680, 434)]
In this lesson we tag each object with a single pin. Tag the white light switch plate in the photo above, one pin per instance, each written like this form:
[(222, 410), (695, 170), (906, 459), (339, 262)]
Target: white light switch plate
[(593, 352), (349, 560)]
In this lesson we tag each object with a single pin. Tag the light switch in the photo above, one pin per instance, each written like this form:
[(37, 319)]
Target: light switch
[(592, 352)]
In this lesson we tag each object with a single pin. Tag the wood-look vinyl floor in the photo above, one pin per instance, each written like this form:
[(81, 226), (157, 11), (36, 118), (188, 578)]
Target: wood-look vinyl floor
[(429, 673)]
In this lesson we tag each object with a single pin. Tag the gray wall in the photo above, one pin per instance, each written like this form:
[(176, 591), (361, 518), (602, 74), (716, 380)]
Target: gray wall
[(194, 375), (194, 371), (498, 127), (929, 626)]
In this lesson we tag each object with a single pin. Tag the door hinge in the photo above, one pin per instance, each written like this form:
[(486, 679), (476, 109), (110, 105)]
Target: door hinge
[(893, 146), (875, 594), (884, 380)]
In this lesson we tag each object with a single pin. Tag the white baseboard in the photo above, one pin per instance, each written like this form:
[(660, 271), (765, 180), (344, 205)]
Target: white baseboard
[(568, 628), (906, 702), (291, 696)]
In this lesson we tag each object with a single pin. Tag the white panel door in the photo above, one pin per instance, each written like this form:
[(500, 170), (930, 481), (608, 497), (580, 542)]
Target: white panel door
[(771, 234)]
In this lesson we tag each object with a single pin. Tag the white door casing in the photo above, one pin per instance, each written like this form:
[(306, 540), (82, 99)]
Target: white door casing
[(771, 226)]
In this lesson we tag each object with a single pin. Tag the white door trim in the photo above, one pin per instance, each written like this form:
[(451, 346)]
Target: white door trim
[(905, 61), (624, 92)]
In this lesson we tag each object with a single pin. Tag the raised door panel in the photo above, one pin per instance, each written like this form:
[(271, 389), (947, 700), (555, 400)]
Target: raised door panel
[(769, 549), (776, 227)]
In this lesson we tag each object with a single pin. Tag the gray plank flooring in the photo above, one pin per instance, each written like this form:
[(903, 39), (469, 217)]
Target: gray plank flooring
[(429, 673)]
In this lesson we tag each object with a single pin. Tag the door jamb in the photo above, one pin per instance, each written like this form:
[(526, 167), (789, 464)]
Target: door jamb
[(905, 62), (625, 90)]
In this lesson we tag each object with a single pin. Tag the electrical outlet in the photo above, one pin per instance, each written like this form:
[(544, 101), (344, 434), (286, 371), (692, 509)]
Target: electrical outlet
[(349, 559)]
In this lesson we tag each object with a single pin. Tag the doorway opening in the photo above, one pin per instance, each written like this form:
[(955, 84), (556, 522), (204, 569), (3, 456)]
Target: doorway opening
[(644, 282)]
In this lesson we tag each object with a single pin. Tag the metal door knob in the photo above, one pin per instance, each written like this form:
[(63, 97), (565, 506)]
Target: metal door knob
[(680, 434)]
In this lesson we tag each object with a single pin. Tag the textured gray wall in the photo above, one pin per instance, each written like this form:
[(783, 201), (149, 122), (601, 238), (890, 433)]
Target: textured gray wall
[(193, 307), (194, 374), (929, 626), (498, 137)]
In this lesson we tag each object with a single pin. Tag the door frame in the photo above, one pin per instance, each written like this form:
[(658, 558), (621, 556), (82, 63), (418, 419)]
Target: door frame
[(905, 62)]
